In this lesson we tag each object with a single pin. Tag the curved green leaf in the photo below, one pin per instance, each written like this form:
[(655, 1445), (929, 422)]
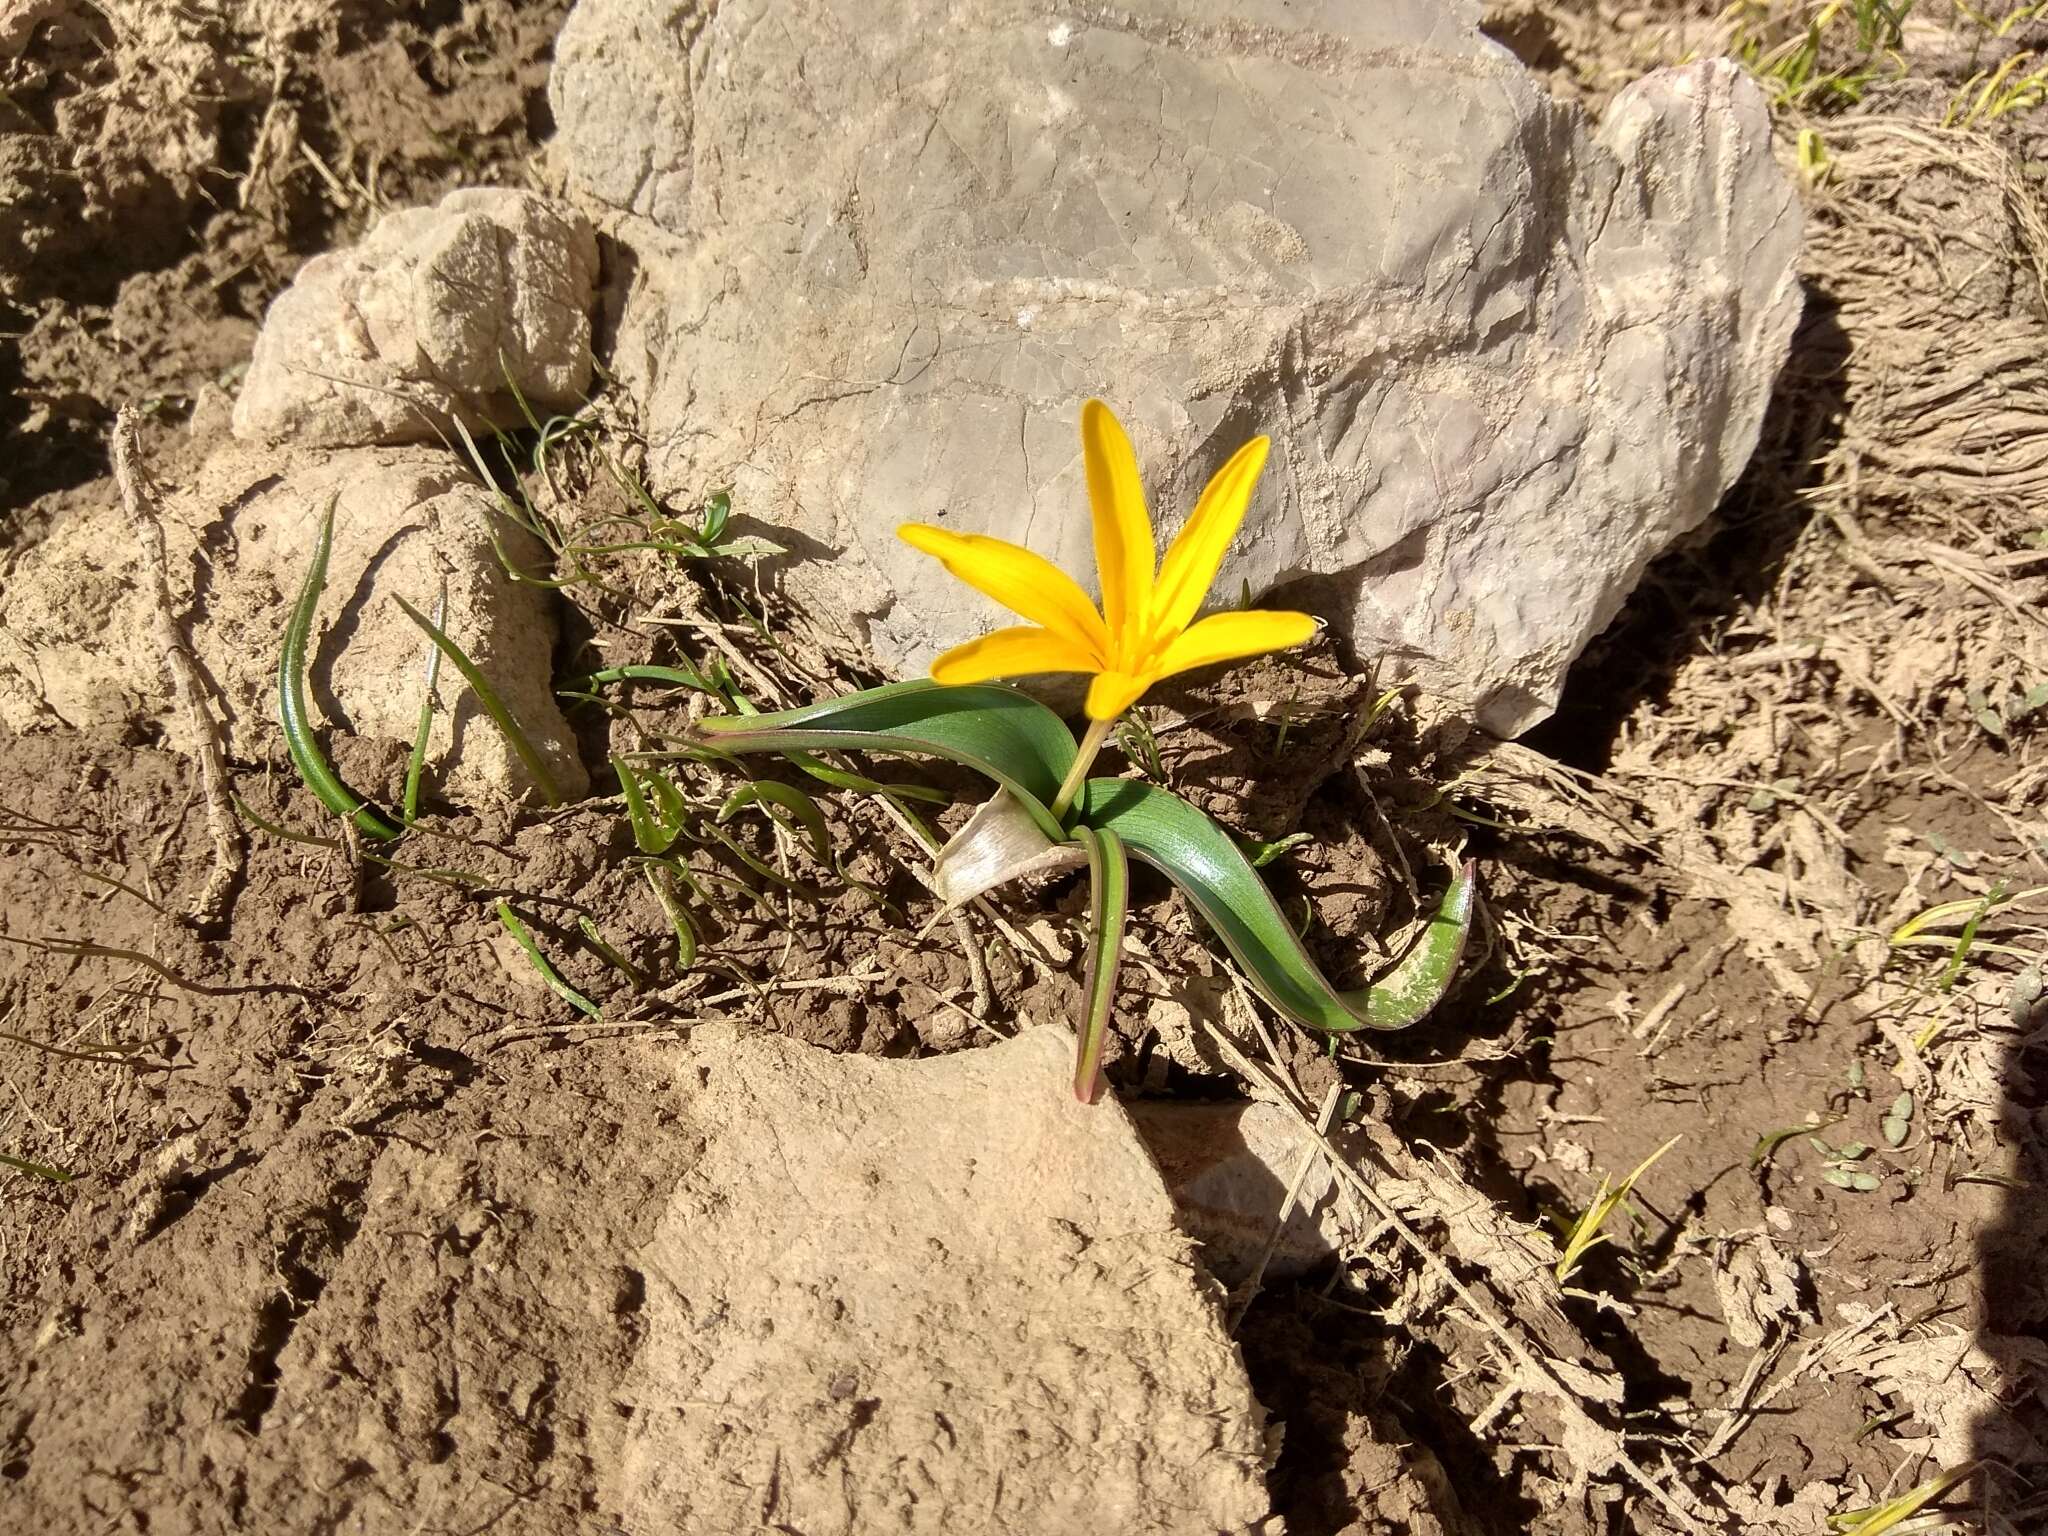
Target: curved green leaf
[(788, 806), (297, 720), (997, 731), (557, 984), (654, 830), (503, 718), (1109, 903), (1199, 856)]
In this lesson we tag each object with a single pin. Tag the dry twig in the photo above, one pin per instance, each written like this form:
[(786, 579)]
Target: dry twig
[(210, 910)]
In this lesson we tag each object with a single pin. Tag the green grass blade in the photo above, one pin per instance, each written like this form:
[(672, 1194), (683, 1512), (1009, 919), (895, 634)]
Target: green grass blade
[(296, 718), (792, 808), (1893, 1512), (262, 824), (494, 706), (996, 731), (548, 973), (1200, 857), (682, 677), (678, 917), (860, 784), (416, 760), (653, 833), (41, 1171), (609, 952), (1109, 903)]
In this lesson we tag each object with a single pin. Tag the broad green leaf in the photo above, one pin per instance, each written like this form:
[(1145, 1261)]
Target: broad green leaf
[(1109, 901), (1199, 856), (997, 731)]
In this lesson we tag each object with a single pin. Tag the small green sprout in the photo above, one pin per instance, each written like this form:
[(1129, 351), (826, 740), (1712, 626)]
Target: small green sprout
[(416, 760), (1770, 1141), (319, 775), (41, 1171), (1879, 1518), (486, 695), (1898, 1121), (1586, 1233), (523, 936)]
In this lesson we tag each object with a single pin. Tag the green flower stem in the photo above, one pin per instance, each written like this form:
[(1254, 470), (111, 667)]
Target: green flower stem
[(1098, 733)]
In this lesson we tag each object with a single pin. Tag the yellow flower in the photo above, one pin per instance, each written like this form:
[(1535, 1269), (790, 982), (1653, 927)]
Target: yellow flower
[(1146, 628)]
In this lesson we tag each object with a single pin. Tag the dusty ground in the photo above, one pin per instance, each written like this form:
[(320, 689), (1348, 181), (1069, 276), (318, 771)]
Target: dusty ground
[(1814, 723)]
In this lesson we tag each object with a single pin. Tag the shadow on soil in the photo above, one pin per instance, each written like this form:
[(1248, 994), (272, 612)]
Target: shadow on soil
[(1688, 596)]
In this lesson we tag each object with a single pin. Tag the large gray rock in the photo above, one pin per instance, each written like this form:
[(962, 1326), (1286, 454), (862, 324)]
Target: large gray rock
[(884, 252), (437, 316)]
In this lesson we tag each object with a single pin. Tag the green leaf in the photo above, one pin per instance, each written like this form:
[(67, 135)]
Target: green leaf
[(416, 761), (556, 984), (997, 731), (1263, 853), (653, 832), (1199, 856), (678, 917), (1109, 901), (292, 713), (508, 726), (1770, 1141), (789, 807), (41, 1171)]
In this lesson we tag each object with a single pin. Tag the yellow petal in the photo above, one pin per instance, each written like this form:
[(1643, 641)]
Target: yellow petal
[(1114, 692), (1011, 653), (1229, 636), (1022, 582), (1124, 554), (1191, 562)]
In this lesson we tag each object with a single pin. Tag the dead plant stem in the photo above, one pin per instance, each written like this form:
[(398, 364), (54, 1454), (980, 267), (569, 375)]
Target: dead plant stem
[(210, 910)]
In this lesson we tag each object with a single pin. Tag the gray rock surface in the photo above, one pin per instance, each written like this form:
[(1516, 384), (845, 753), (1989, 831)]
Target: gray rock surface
[(883, 254), (927, 1297), (432, 318)]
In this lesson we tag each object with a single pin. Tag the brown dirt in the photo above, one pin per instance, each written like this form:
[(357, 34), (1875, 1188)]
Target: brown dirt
[(363, 1092)]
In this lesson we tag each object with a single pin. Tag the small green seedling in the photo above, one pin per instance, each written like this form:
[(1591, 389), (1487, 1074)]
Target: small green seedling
[(1134, 736), (1263, 853), (1898, 1121), (41, 1171), (523, 936), (1840, 1167), (1586, 1233), (508, 726), (293, 713), (1879, 1518), (416, 760), (2000, 715)]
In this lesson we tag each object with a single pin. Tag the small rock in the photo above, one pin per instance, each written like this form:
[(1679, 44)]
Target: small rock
[(434, 318), (78, 646)]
